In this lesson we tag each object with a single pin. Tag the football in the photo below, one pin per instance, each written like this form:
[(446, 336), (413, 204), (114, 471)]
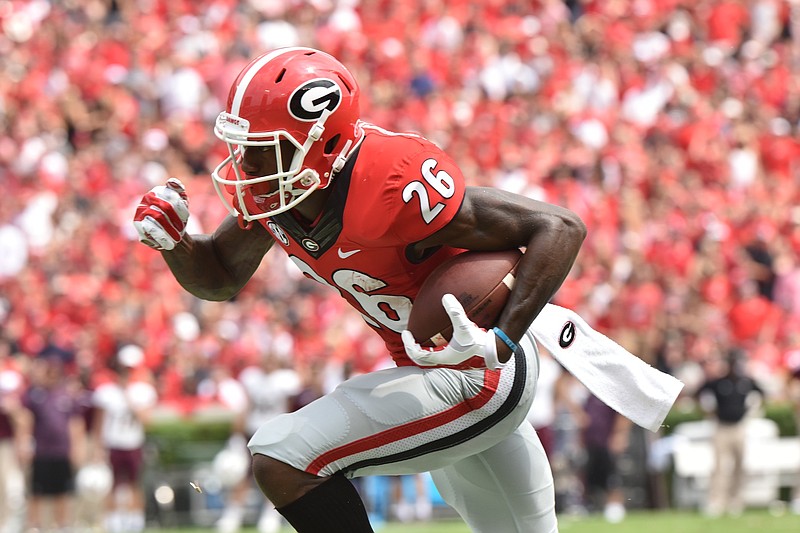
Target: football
[(481, 281)]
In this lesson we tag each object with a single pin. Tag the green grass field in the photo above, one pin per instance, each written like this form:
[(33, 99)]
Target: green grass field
[(636, 522)]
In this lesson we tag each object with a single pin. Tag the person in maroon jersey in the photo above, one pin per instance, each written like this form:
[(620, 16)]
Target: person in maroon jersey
[(371, 213)]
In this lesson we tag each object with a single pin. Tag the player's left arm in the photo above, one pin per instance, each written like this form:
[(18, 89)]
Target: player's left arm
[(492, 219)]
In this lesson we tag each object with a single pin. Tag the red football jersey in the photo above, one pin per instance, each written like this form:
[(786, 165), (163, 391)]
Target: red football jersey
[(396, 190)]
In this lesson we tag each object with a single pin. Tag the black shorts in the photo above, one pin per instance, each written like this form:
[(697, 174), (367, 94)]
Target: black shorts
[(51, 476), (601, 470)]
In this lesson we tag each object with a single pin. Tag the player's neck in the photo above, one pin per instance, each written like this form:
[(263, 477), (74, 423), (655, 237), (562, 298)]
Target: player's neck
[(310, 209)]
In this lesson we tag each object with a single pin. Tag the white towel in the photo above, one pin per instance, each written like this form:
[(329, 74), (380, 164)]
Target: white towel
[(618, 378)]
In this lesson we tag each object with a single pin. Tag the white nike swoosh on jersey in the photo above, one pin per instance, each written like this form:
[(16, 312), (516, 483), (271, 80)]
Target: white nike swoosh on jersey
[(345, 255)]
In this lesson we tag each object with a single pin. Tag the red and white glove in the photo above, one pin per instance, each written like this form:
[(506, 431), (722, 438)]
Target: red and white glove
[(469, 340), (161, 216)]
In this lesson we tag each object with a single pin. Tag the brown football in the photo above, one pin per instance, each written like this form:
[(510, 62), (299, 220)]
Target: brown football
[(481, 281)]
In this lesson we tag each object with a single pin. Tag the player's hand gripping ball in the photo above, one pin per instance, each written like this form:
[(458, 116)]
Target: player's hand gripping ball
[(459, 301), (468, 341), (161, 216)]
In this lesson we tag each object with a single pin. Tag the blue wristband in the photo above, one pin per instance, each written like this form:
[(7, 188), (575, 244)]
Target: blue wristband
[(503, 337)]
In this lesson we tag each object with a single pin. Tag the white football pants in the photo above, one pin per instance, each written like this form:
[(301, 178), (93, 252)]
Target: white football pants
[(467, 427)]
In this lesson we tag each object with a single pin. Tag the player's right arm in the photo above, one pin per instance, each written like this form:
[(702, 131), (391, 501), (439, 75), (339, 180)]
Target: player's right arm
[(217, 266), (210, 266)]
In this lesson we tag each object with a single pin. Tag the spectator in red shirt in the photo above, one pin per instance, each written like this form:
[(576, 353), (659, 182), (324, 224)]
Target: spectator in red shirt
[(727, 23), (753, 318)]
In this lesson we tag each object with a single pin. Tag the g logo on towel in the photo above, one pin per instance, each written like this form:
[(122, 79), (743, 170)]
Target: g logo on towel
[(567, 335)]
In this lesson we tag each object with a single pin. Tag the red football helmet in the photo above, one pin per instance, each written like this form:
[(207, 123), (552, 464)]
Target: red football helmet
[(296, 98)]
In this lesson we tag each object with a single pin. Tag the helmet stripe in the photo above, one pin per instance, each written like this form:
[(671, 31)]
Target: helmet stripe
[(241, 89)]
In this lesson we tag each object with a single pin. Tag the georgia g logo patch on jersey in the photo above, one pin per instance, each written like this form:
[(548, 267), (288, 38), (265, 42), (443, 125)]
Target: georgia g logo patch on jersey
[(313, 97)]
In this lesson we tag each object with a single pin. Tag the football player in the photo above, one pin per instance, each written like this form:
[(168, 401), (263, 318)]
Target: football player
[(370, 213)]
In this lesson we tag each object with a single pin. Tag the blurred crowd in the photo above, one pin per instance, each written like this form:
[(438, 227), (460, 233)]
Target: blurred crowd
[(670, 126)]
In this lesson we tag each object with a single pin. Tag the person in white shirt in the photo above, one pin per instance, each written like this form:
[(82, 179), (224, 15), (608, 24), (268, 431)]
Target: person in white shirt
[(542, 414), (270, 386), (14, 450), (124, 406)]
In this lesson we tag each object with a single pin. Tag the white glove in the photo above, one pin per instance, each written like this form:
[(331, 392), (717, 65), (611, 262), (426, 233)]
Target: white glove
[(161, 216), (469, 340)]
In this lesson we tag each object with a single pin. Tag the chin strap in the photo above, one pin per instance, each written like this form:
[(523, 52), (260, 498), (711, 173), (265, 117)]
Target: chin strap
[(244, 224), (341, 159)]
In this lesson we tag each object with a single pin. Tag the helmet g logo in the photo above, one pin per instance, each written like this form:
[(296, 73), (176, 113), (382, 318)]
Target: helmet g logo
[(313, 97)]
